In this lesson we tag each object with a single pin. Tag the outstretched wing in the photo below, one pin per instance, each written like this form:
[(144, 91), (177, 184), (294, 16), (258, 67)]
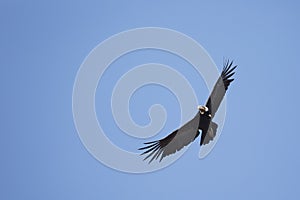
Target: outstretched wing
[(220, 88), (173, 142)]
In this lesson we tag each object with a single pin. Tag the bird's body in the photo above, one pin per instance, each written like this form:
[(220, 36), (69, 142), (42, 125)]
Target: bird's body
[(191, 130), (204, 124)]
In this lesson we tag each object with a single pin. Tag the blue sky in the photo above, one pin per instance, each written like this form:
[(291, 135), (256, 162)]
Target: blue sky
[(44, 43)]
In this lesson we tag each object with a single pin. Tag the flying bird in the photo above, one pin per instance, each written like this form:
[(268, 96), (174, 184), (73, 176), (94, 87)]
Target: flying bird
[(202, 121)]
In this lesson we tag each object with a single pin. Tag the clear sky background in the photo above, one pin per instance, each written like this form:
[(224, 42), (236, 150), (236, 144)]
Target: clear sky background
[(42, 46)]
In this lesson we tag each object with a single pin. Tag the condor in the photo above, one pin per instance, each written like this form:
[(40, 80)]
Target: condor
[(191, 130)]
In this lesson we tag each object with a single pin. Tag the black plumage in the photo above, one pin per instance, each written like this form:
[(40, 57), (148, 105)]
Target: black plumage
[(202, 121)]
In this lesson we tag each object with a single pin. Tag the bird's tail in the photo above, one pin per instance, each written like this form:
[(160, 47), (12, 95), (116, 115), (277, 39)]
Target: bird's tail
[(210, 133)]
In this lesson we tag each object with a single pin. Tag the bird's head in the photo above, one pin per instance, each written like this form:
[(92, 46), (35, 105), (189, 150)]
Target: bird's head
[(202, 109)]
